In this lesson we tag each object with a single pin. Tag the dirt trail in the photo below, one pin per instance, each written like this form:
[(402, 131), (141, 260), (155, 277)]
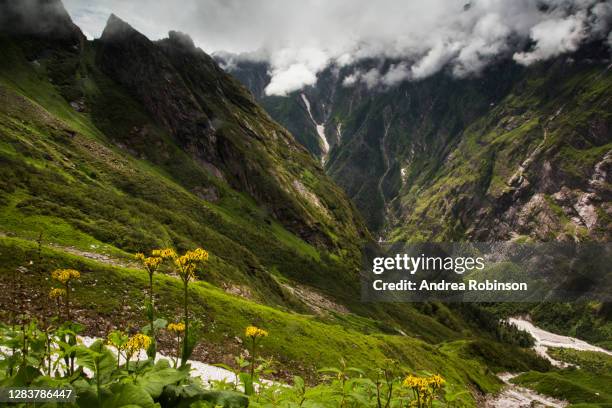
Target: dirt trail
[(103, 258)]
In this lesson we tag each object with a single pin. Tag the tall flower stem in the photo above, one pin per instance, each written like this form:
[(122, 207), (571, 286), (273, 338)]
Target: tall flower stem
[(253, 357), (152, 316), (186, 319)]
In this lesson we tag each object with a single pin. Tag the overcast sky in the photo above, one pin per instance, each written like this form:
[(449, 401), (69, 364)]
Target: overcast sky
[(301, 37)]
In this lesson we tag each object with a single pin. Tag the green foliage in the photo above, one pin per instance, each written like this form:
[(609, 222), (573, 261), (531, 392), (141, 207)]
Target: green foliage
[(583, 320), (346, 386), (590, 383), (500, 357), (295, 340), (145, 385)]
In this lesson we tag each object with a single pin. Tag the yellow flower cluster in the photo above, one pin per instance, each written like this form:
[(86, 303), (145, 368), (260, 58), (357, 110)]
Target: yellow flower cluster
[(57, 292), (176, 327), (424, 384), (437, 380), (187, 263), (138, 342), (151, 263), (255, 332), (64, 275), (164, 253)]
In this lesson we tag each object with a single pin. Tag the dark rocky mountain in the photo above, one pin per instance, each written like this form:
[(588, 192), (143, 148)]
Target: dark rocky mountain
[(212, 117), (513, 152)]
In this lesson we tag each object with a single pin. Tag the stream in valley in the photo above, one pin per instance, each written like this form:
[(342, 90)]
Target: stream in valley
[(514, 396)]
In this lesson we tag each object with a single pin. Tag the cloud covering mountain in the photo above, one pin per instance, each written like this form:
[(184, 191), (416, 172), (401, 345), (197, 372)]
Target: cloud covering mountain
[(299, 39)]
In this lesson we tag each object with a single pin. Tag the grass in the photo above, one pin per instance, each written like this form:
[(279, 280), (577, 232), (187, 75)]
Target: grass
[(90, 179), (573, 385), (587, 386), (114, 295)]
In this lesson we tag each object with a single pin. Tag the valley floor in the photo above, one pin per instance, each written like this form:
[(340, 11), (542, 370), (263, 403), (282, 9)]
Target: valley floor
[(514, 395)]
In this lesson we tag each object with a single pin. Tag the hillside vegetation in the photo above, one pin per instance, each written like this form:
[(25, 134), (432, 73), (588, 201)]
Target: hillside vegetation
[(123, 145)]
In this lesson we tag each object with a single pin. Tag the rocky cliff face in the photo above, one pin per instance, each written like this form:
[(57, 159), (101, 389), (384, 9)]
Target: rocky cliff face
[(515, 152)]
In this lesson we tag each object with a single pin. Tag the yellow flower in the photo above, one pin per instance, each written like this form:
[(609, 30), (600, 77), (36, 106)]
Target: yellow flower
[(176, 327), (57, 292), (152, 263), (138, 342), (197, 255), (255, 332), (412, 381), (425, 385), (64, 275), (187, 263), (164, 253), (140, 256), (436, 380)]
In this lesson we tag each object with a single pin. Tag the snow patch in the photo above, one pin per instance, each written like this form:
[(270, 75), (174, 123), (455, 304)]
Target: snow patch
[(320, 128), (545, 339)]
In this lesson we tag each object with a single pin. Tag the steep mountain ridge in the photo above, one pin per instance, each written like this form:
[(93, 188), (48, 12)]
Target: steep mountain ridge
[(92, 162), (514, 152), (213, 118)]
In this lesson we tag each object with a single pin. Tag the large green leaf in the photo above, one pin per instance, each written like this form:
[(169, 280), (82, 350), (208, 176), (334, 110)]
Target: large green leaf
[(128, 394), (154, 381), (186, 395), (97, 354), (24, 377), (247, 381)]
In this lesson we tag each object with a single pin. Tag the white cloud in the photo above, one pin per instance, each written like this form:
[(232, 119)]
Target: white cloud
[(350, 80), (301, 38), (554, 37), (396, 74), (293, 69), (290, 79), (438, 56)]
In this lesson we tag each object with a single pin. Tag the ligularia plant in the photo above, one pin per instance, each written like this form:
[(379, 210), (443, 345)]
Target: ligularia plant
[(185, 266), (151, 264)]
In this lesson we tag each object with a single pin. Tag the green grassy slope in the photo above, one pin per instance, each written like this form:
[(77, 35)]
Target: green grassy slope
[(63, 175), (108, 296)]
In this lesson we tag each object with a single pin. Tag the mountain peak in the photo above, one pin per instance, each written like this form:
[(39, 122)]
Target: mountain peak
[(181, 39), (117, 28)]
